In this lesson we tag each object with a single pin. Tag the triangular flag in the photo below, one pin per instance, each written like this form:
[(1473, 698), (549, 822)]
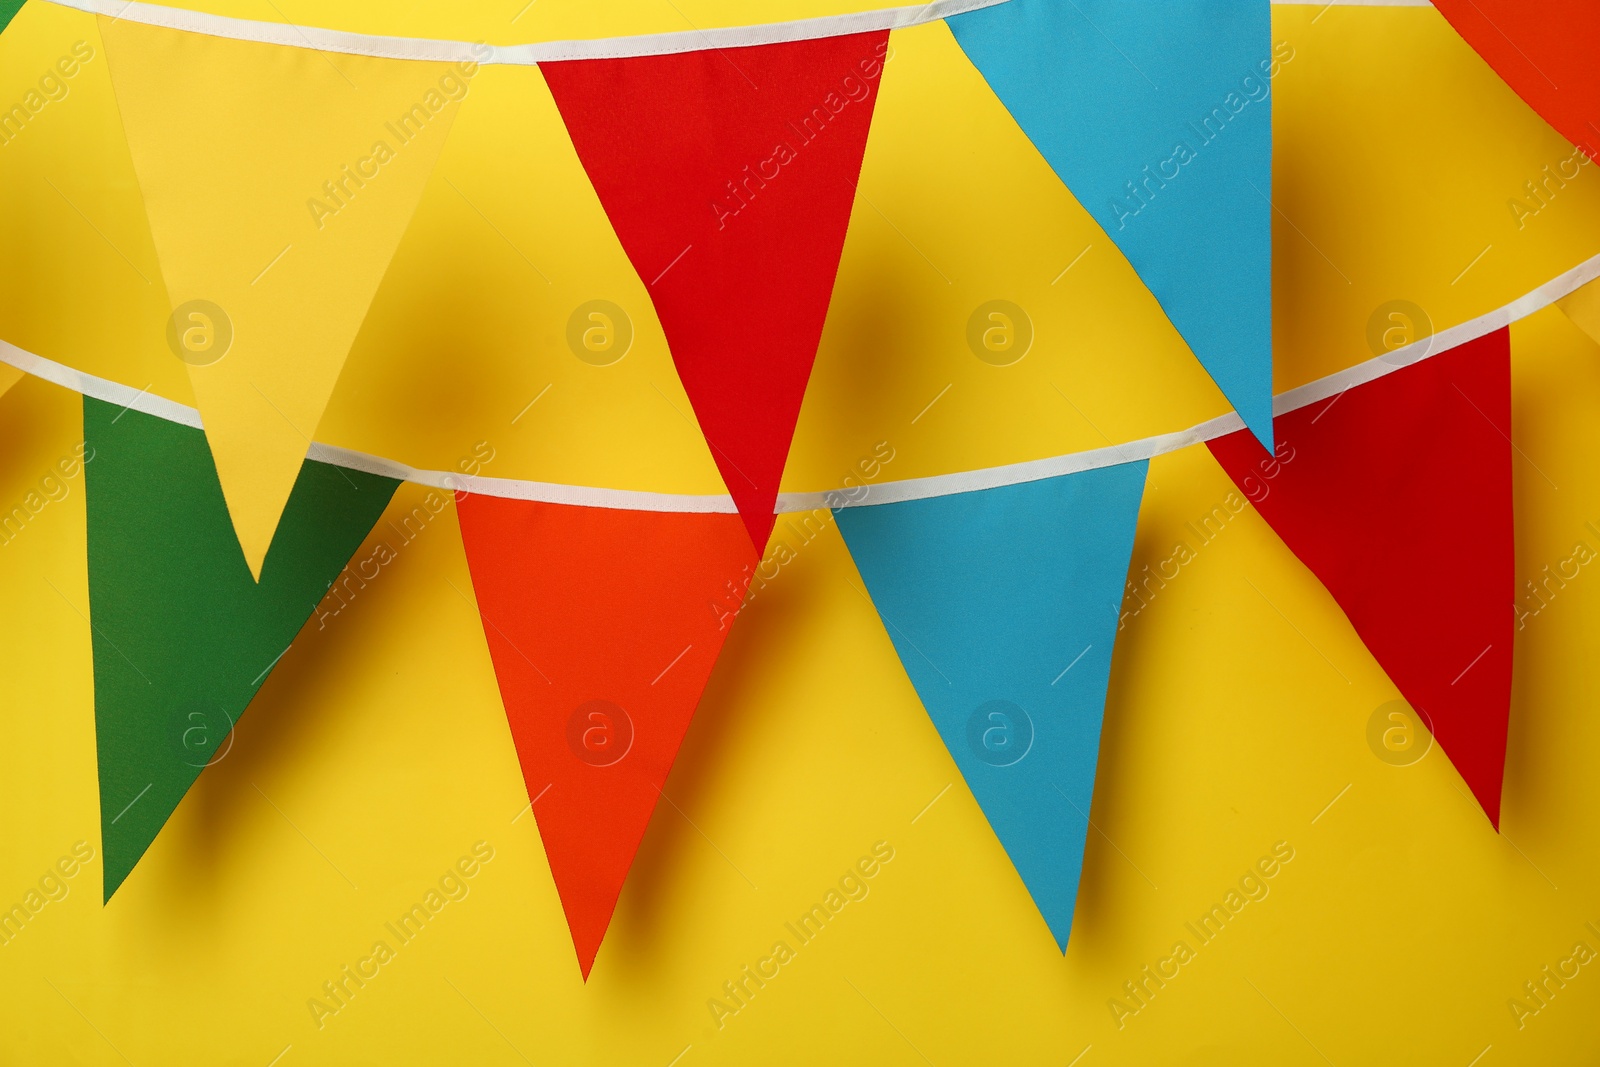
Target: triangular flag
[(9, 376), (603, 626), (1545, 51), (1583, 307), (8, 11), (1158, 118), (277, 182), (183, 635), (1397, 496), (1003, 605), (729, 176)]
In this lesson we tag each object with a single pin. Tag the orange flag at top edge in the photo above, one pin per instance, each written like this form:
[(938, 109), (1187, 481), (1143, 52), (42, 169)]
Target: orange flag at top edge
[(1546, 52), (603, 626), (729, 175)]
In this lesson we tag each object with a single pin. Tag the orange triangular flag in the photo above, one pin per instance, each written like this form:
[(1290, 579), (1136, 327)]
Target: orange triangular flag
[(1545, 52), (278, 182), (603, 626)]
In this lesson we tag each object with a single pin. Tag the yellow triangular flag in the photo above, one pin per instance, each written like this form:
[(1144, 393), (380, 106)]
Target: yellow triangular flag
[(9, 376), (1583, 307), (278, 182)]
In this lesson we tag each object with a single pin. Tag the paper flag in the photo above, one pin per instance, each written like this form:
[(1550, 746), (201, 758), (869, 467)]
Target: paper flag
[(8, 11), (1003, 605), (603, 626), (278, 182), (1397, 495), (1545, 52), (1158, 118), (183, 636), (729, 176), (1583, 308)]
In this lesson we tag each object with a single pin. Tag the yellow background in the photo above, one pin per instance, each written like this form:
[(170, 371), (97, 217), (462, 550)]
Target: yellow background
[(377, 752)]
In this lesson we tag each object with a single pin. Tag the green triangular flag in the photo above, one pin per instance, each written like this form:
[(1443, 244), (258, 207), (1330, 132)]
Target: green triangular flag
[(183, 637), (8, 11)]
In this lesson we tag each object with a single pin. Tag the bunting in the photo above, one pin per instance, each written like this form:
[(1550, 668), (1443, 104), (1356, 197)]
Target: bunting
[(603, 626), (277, 182), (1158, 118), (183, 635), (1545, 52), (729, 175), (1397, 495), (1003, 606)]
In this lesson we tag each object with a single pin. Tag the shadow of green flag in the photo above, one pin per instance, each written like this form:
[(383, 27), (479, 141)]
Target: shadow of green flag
[(183, 637)]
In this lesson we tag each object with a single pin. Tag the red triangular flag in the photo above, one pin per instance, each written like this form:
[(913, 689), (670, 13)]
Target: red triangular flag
[(1397, 495), (1546, 52), (603, 626), (729, 175)]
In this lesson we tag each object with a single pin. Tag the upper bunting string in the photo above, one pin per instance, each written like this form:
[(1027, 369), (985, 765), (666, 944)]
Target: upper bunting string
[(1556, 289), (527, 55)]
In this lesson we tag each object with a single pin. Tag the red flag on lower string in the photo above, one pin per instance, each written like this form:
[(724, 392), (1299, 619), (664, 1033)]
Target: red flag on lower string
[(1397, 495), (729, 175), (603, 626)]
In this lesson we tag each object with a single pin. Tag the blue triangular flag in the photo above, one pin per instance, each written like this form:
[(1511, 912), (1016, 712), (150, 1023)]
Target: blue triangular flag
[(1003, 605), (1158, 118)]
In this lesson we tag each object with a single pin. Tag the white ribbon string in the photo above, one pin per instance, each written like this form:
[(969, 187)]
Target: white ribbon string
[(881, 492)]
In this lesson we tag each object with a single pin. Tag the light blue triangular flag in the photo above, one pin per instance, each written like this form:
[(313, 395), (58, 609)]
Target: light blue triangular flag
[(1158, 118), (1003, 605)]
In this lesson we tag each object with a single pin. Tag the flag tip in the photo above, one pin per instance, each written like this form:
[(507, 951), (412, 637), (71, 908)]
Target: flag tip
[(760, 527), (586, 955), (1262, 432)]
